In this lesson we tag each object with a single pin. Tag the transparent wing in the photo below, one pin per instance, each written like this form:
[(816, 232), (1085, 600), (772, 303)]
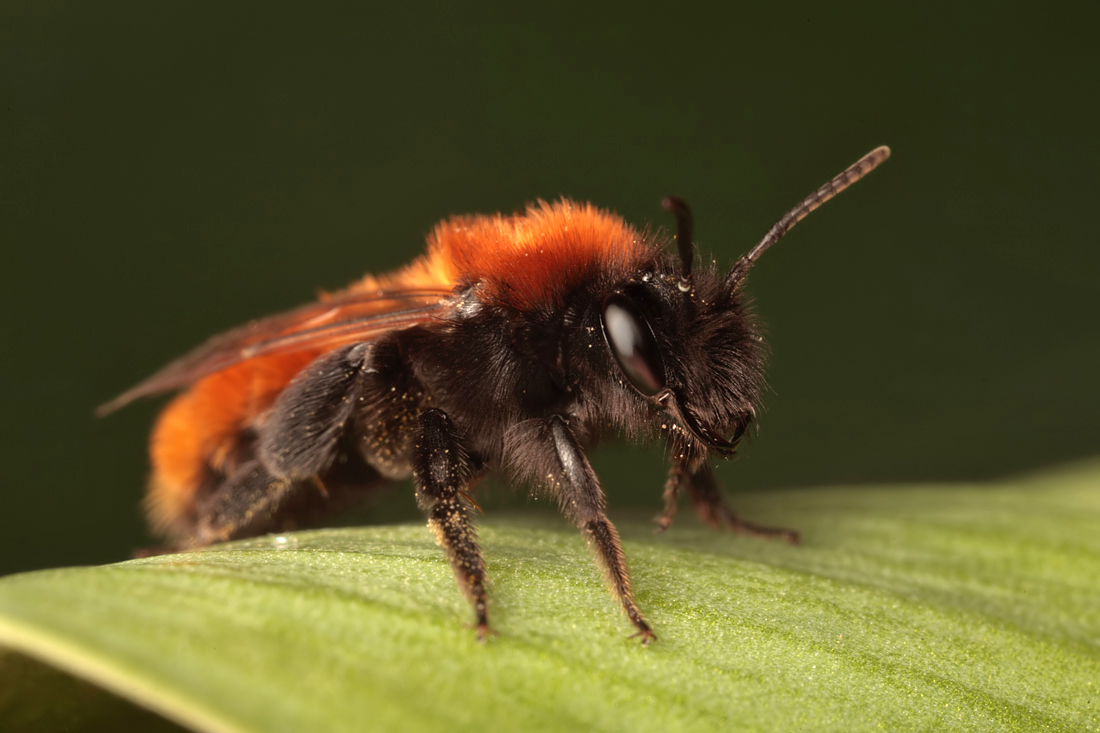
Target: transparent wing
[(327, 324)]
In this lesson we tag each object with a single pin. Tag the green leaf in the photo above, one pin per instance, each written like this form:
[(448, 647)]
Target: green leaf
[(963, 607)]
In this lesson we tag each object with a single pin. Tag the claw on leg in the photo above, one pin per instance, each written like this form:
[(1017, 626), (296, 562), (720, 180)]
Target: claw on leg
[(483, 632), (646, 635)]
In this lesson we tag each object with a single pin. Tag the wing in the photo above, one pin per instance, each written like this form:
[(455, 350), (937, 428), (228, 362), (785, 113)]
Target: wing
[(351, 317)]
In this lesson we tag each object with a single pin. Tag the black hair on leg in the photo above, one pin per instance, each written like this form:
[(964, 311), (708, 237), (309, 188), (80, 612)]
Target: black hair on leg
[(441, 471), (548, 453), (299, 438), (244, 505)]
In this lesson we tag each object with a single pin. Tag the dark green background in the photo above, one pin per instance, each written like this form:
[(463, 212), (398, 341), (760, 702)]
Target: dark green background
[(166, 173)]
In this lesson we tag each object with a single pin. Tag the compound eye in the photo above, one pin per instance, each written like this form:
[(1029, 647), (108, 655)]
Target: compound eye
[(632, 343)]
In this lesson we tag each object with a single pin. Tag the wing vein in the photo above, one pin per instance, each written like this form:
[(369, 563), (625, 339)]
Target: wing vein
[(328, 323)]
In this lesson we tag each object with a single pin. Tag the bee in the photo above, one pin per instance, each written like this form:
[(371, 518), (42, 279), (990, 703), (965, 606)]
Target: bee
[(515, 343)]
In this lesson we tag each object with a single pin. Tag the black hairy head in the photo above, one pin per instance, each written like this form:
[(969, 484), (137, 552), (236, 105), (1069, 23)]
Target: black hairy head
[(653, 357)]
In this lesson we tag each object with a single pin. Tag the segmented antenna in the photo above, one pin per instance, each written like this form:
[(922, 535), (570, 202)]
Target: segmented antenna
[(682, 212), (846, 178)]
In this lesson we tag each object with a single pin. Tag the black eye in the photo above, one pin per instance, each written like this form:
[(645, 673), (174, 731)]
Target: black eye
[(631, 341)]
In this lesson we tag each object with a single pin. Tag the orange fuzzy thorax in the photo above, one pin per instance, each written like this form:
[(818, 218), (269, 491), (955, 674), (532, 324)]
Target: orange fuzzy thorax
[(528, 260)]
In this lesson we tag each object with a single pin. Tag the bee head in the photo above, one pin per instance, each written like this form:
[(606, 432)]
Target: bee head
[(683, 338), (695, 356)]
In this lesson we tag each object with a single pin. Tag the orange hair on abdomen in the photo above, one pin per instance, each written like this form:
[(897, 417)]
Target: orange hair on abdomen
[(199, 430)]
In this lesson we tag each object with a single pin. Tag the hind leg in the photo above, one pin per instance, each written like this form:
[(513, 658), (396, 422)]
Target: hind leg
[(245, 505), (252, 501), (299, 467)]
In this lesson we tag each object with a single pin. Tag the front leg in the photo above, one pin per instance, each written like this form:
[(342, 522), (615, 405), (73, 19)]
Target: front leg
[(549, 453), (713, 510), (677, 477), (441, 472)]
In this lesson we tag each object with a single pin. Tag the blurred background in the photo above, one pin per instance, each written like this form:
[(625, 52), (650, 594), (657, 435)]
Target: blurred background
[(169, 172)]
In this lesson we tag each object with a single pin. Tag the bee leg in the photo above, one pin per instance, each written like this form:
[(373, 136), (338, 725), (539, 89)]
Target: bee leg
[(581, 498), (251, 502), (673, 488), (300, 437), (296, 447), (441, 472), (713, 510), (245, 505)]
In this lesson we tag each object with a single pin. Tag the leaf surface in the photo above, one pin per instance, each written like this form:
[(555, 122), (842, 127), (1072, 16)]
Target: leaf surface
[(960, 607)]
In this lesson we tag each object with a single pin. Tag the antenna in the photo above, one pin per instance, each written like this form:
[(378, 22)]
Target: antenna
[(682, 212), (846, 178)]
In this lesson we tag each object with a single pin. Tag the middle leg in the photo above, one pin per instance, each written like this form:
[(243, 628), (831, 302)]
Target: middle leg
[(442, 472)]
